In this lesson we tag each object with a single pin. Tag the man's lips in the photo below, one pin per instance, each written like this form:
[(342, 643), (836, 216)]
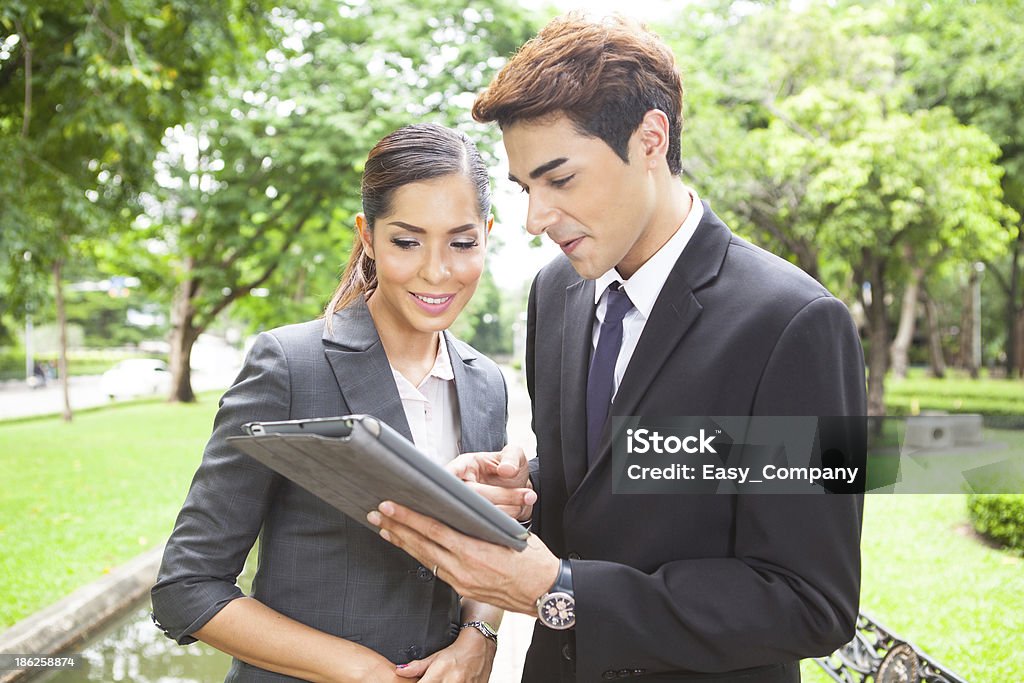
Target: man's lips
[(569, 245)]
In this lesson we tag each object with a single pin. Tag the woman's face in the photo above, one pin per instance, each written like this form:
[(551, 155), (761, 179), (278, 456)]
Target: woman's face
[(429, 252)]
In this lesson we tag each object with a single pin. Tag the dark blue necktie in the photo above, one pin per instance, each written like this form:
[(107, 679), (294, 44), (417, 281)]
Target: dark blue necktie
[(601, 378)]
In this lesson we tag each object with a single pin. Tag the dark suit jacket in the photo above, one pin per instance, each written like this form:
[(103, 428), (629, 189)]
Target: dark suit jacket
[(316, 565), (695, 587)]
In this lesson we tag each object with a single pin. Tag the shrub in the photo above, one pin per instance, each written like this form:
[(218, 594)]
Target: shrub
[(999, 516)]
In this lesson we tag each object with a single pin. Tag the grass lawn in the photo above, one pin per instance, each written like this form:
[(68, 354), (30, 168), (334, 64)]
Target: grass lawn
[(79, 499), (926, 577), (956, 393)]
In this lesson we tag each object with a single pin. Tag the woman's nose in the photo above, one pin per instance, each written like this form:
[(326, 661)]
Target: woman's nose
[(436, 269)]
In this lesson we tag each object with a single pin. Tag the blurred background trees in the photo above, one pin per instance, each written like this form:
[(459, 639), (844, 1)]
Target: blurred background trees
[(210, 154)]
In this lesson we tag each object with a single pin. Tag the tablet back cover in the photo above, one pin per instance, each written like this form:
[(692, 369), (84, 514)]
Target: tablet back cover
[(356, 473)]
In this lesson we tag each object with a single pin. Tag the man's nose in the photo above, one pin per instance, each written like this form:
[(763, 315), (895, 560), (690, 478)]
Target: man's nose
[(539, 216)]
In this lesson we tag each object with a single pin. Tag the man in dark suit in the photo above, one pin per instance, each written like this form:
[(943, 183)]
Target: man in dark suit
[(656, 309)]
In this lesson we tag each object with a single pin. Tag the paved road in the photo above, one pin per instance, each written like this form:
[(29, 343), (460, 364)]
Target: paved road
[(18, 400)]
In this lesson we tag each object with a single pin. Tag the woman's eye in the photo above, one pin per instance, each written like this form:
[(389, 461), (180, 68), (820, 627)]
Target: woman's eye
[(404, 243), (465, 245), (562, 181)]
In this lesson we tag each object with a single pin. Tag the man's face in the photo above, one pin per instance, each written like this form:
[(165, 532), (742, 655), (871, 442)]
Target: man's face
[(596, 207)]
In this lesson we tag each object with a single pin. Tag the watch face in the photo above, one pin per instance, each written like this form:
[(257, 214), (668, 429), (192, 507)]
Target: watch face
[(557, 611)]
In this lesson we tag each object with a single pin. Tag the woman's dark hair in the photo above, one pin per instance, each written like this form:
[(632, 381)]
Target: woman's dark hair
[(415, 153)]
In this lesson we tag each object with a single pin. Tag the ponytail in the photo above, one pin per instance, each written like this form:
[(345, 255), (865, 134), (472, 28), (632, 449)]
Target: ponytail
[(359, 279)]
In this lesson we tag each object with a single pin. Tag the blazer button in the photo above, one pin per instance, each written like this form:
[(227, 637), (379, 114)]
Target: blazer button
[(574, 556), (424, 574), (609, 675), (567, 652)]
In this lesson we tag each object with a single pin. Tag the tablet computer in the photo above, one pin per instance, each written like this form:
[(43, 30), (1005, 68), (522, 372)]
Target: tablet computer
[(354, 462)]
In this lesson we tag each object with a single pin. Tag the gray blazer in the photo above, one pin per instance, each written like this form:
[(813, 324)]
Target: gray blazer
[(316, 565)]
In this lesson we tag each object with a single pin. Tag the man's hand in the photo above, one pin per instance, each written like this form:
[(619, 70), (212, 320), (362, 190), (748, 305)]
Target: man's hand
[(502, 478), (476, 569)]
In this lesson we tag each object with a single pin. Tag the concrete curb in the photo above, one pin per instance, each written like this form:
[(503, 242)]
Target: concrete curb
[(56, 628)]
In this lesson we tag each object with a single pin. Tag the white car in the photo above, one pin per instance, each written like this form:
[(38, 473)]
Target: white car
[(136, 377)]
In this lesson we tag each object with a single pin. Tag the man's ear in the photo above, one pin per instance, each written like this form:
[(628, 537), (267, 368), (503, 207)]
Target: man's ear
[(365, 234), (653, 135)]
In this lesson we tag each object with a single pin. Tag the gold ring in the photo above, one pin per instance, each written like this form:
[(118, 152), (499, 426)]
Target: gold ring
[(435, 571)]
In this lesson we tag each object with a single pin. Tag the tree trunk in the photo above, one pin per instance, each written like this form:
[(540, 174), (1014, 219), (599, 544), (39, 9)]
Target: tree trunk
[(1019, 351), (935, 356), (62, 337), (970, 321), (908, 319), (878, 336), (183, 336), (1014, 340)]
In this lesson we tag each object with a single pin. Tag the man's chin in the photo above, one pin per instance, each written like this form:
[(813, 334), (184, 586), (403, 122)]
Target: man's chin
[(586, 269)]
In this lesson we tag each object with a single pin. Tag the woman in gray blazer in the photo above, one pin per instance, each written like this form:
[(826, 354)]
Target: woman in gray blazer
[(331, 601)]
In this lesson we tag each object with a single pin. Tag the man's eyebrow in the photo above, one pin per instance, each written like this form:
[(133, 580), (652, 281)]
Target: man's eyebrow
[(541, 170), (416, 228), (545, 167)]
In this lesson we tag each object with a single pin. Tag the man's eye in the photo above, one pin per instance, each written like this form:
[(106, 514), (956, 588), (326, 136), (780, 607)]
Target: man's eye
[(404, 243), (562, 181)]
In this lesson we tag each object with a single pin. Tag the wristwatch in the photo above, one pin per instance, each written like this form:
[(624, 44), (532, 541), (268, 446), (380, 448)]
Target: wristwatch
[(557, 608), (486, 629)]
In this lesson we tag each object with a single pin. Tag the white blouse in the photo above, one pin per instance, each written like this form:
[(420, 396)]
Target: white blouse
[(432, 408)]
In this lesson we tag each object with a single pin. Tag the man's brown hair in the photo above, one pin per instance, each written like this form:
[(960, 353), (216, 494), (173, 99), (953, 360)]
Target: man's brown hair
[(604, 76)]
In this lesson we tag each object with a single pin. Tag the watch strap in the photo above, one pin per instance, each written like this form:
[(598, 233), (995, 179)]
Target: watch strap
[(563, 582)]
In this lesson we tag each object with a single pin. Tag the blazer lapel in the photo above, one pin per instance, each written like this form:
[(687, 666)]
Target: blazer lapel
[(471, 389), (675, 311), (361, 367), (577, 331)]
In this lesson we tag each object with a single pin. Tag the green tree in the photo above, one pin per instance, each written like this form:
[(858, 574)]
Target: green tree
[(86, 91), (258, 190), (967, 56), (800, 133)]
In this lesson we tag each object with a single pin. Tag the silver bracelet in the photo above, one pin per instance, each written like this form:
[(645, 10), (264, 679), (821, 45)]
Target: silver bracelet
[(484, 628)]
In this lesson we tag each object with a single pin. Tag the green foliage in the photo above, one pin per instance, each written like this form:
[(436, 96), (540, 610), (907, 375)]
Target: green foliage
[(1000, 517), (85, 92), (484, 323)]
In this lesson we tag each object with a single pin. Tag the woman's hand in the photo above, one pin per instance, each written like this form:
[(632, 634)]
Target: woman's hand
[(467, 660), (503, 478)]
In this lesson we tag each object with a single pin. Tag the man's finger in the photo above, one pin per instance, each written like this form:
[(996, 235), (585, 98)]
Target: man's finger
[(508, 500)]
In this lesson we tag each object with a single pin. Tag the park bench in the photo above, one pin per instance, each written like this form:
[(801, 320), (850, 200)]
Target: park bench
[(877, 654)]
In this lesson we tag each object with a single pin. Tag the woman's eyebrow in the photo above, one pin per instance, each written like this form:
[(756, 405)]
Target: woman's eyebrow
[(416, 228)]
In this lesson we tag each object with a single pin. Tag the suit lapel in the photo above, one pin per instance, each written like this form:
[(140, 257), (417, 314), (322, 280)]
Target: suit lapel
[(471, 389), (675, 311), (361, 367), (577, 330)]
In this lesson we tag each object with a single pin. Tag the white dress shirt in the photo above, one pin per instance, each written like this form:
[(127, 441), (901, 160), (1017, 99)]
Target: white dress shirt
[(432, 408), (643, 288)]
